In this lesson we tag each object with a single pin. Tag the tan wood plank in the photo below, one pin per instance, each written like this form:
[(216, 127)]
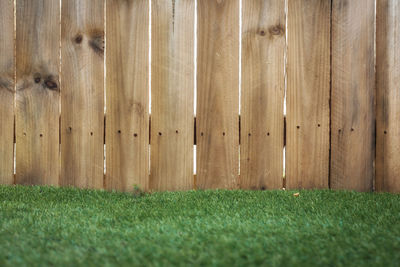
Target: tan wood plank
[(308, 93), (172, 94), (127, 92), (7, 82), (388, 95), (263, 88), (82, 97), (353, 79), (38, 92), (217, 94)]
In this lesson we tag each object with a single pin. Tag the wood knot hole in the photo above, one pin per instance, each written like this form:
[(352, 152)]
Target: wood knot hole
[(276, 30), (97, 43), (50, 84), (78, 39)]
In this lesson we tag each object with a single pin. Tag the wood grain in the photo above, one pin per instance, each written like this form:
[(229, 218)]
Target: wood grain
[(308, 93), (82, 98), (353, 79), (127, 94), (263, 89), (7, 83), (388, 96), (38, 92), (217, 94), (172, 89)]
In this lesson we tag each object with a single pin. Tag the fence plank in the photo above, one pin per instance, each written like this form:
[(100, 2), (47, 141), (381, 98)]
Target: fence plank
[(263, 88), (353, 114), (308, 92), (82, 98), (388, 95), (37, 99), (127, 83), (172, 89), (217, 94), (7, 82)]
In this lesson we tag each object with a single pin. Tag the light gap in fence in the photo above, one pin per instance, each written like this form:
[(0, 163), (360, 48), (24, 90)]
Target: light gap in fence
[(285, 96)]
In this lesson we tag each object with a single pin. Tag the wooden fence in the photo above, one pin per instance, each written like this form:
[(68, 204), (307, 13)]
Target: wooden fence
[(75, 99)]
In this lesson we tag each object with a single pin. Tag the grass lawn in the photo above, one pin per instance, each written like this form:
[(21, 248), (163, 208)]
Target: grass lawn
[(49, 226)]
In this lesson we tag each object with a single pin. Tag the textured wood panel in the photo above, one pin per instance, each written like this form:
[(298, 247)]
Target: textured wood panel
[(308, 92), (82, 98), (388, 95), (127, 91), (172, 89), (38, 92), (353, 82), (217, 94), (263, 89), (7, 83)]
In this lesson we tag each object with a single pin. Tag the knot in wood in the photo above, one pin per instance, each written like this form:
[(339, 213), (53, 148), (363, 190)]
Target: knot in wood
[(277, 30), (50, 84), (78, 39)]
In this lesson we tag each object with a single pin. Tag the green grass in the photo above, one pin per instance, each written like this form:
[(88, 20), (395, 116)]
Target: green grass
[(49, 226)]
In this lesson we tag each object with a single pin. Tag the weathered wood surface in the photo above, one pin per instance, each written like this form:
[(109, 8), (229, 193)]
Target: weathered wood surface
[(82, 98), (127, 92), (218, 94), (352, 106), (7, 83), (263, 89), (38, 92), (388, 95), (53, 94), (308, 92), (172, 90)]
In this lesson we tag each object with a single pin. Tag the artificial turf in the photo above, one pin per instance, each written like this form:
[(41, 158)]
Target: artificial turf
[(53, 226)]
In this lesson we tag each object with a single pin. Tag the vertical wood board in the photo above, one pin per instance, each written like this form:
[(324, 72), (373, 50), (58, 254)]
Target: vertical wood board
[(127, 94), (172, 89), (217, 119), (308, 93), (388, 95), (7, 83), (82, 96), (263, 88), (352, 102), (38, 92)]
